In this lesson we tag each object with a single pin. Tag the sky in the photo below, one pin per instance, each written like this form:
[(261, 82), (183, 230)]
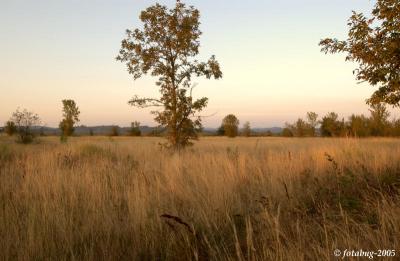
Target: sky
[(268, 50)]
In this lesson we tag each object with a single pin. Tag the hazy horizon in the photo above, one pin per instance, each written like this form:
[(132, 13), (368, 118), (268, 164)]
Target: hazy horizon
[(273, 69)]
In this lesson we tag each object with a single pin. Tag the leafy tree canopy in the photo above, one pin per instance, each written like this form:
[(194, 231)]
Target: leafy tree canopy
[(166, 47), (374, 43), (70, 117), (231, 125)]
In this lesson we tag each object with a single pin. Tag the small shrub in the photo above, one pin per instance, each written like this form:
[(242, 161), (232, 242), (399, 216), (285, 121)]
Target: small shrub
[(10, 128)]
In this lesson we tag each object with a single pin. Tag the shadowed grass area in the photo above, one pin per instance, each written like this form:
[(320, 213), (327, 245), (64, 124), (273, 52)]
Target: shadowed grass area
[(243, 199)]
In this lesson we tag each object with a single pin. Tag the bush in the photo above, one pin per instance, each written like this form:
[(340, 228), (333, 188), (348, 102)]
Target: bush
[(10, 128), (135, 129), (231, 125), (114, 131), (286, 132), (24, 121)]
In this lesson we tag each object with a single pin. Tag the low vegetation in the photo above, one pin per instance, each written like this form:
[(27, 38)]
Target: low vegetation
[(123, 198)]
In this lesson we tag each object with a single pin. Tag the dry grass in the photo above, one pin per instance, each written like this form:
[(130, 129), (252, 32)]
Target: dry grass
[(241, 199)]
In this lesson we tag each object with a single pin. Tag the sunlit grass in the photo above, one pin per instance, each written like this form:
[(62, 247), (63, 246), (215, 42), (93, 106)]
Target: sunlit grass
[(245, 198)]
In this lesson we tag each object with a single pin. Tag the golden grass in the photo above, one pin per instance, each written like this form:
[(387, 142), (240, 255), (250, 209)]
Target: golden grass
[(100, 198)]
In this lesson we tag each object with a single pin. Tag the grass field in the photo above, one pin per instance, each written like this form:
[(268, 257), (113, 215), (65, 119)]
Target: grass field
[(100, 198)]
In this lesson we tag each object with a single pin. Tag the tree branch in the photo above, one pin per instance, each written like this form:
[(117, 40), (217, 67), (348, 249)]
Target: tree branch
[(145, 102)]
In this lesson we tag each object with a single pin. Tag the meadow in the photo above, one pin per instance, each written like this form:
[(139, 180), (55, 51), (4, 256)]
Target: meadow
[(124, 198)]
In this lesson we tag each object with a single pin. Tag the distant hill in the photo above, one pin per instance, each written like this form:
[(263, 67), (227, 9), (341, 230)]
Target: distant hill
[(274, 130), (146, 130)]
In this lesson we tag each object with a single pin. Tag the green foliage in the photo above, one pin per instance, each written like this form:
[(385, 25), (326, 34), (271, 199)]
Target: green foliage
[(312, 121), (10, 128), (379, 120), (300, 128), (286, 132), (24, 121), (166, 48), (303, 128), (358, 126), (135, 129), (377, 124), (374, 44), (231, 125), (331, 126), (70, 117)]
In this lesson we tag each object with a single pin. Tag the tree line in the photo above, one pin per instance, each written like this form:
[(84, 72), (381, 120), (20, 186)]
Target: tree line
[(167, 45), (377, 124)]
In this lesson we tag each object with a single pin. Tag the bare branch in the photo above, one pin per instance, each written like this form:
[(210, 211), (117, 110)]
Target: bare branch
[(145, 102)]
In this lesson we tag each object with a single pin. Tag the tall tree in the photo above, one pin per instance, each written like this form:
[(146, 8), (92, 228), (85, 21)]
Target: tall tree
[(379, 120), (246, 129), (301, 128), (374, 43), (312, 122), (358, 126), (166, 47), (70, 117), (231, 125)]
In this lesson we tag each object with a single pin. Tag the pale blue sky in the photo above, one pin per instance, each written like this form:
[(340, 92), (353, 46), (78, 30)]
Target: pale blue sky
[(268, 50)]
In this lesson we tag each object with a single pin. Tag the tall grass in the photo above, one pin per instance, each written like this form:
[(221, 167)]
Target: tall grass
[(223, 199)]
